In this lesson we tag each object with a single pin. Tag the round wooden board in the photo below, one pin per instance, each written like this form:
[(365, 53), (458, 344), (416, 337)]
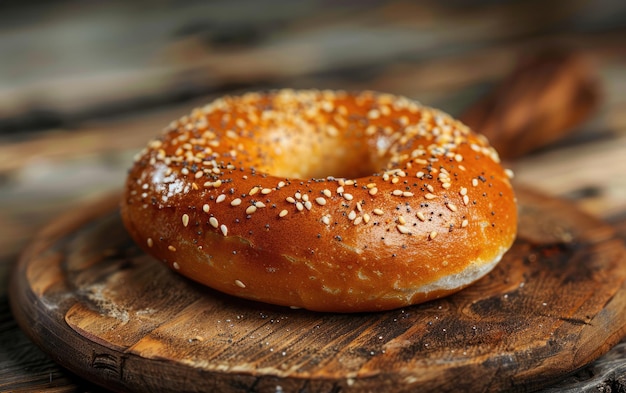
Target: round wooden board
[(100, 307)]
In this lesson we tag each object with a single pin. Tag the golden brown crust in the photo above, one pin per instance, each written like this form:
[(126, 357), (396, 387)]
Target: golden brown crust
[(323, 200)]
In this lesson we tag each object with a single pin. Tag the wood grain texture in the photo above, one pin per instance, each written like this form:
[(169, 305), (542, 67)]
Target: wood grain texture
[(100, 307)]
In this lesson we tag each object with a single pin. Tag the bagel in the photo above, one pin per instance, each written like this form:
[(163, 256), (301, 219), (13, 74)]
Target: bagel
[(324, 200)]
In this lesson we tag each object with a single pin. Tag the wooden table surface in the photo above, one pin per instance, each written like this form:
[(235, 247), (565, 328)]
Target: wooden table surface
[(84, 86)]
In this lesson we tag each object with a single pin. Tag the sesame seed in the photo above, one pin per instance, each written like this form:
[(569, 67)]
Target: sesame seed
[(198, 174), (358, 220), (320, 201), (240, 284), (266, 191), (474, 182), (283, 213), (220, 198), (327, 193), (359, 207), (421, 216), (185, 219), (432, 235), (373, 191), (348, 197), (171, 248), (340, 190), (235, 202), (308, 205), (366, 218), (290, 199), (464, 223), (299, 206), (326, 220), (251, 209), (451, 206), (465, 200), (378, 212), (224, 229), (373, 114), (259, 204), (401, 220), (231, 134), (446, 185), (463, 191), (430, 196), (419, 174), (281, 184), (352, 215), (407, 194), (241, 123), (205, 208), (402, 229), (458, 158), (176, 266), (430, 188), (509, 173), (332, 130), (298, 195), (184, 171), (371, 185), (149, 242), (253, 191), (213, 222), (217, 183)]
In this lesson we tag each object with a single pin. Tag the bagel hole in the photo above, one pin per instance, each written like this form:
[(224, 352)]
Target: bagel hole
[(333, 157)]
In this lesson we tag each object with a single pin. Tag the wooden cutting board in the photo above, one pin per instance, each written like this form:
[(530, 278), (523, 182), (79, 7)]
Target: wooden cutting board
[(100, 307)]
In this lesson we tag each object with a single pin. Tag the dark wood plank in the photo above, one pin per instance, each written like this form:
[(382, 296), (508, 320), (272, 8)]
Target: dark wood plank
[(25, 368), (157, 56), (591, 174)]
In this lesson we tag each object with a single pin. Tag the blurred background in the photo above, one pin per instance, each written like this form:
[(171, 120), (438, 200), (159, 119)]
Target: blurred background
[(84, 85), (65, 63)]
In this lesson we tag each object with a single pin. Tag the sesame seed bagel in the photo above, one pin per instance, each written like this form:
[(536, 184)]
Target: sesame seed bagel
[(328, 201)]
